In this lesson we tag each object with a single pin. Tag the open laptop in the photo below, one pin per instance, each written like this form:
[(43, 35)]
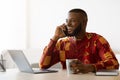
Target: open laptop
[(23, 64)]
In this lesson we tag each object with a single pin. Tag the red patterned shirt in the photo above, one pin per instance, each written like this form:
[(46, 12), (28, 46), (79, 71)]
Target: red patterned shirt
[(92, 49)]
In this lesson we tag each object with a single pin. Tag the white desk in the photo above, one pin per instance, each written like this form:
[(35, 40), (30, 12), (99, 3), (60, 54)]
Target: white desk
[(15, 74)]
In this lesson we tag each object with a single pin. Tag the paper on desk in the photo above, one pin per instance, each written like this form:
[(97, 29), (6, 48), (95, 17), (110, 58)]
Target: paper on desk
[(107, 73)]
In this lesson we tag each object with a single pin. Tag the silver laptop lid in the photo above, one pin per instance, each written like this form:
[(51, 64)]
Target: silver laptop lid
[(21, 61)]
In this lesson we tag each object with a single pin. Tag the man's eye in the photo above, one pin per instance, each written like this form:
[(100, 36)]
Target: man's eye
[(73, 20)]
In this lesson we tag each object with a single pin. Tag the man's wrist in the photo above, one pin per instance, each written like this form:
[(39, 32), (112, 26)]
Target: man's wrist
[(54, 38), (92, 68)]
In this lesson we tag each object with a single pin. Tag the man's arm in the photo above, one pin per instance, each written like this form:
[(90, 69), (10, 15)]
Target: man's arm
[(108, 59), (51, 53)]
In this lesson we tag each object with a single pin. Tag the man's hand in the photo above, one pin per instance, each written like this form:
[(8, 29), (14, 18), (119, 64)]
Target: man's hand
[(78, 67), (59, 32)]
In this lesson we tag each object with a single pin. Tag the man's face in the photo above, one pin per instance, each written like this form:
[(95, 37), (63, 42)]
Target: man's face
[(73, 22)]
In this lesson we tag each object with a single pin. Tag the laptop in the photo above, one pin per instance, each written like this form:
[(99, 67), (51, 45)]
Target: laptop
[(23, 64)]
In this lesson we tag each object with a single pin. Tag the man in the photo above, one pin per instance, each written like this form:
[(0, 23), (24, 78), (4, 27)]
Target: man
[(71, 41)]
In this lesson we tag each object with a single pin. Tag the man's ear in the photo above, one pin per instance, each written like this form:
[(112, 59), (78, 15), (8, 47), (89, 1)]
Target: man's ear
[(84, 24)]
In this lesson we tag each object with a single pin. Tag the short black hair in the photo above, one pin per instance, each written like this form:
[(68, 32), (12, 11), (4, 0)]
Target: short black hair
[(77, 10)]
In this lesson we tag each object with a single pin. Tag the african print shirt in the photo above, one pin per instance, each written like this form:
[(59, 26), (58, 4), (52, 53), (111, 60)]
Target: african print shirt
[(92, 49)]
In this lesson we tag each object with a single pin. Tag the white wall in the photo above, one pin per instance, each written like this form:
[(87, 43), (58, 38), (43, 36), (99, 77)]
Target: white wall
[(12, 24), (31, 23), (26, 24), (45, 15)]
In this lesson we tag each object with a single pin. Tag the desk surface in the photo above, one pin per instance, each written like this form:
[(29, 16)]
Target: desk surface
[(15, 74)]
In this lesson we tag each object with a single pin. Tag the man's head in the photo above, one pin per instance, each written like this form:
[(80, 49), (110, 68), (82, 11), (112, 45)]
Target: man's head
[(82, 13), (76, 21)]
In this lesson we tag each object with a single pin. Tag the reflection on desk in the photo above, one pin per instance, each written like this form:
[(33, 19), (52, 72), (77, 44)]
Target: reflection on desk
[(15, 74)]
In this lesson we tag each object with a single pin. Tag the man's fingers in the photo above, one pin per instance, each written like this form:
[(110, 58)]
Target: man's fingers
[(63, 27)]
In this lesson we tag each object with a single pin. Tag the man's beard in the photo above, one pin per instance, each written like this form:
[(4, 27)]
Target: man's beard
[(76, 31)]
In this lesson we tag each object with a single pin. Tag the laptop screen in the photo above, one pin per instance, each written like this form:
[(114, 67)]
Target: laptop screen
[(21, 61)]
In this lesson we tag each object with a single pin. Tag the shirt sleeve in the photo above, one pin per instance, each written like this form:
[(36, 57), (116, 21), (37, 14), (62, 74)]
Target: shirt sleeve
[(108, 59), (50, 55)]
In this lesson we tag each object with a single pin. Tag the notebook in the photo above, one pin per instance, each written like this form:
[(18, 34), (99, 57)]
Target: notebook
[(107, 73), (23, 64)]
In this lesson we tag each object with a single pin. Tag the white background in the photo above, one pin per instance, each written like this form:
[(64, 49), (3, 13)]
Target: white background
[(12, 24), (31, 23), (45, 15)]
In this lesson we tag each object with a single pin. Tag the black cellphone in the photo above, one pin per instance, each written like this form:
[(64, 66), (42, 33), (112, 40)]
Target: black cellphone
[(76, 31), (66, 31)]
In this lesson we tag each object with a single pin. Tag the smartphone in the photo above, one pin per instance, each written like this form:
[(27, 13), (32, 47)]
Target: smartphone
[(66, 31), (76, 31)]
